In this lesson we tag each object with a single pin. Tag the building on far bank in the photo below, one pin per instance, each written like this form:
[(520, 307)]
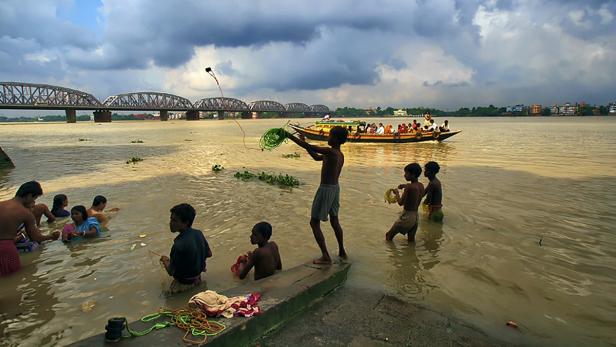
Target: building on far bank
[(554, 110), (567, 109), (400, 113), (535, 110), (612, 108), (520, 108)]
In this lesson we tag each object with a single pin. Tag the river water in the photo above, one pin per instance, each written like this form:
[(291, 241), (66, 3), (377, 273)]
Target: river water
[(508, 183)]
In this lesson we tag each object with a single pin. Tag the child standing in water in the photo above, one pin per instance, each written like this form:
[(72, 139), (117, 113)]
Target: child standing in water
[(327, 199), (266, 258), (410, 199), (434, 192)]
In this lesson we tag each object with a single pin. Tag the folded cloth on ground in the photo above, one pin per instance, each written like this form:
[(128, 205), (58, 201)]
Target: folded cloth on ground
[(214, 304)]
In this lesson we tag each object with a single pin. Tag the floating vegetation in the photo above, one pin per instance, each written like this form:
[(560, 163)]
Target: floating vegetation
[(246, 175), (291, 155), (270, 178), (217, 167), (83, 139), (137, 141), (134, 160), (272, 138)]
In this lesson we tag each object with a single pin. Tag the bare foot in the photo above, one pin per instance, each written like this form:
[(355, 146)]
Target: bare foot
[(322, 261)]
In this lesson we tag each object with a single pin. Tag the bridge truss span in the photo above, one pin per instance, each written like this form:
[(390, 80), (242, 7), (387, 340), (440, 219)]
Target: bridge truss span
[(266, 106), (147, 101), (297, 107), (221, 104), (18, 95)]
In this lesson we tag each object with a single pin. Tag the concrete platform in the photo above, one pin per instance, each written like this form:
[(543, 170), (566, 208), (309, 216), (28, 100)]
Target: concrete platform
[(284, 295)]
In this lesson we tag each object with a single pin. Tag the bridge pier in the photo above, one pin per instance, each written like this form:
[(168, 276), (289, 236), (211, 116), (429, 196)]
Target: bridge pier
[(164, 115), (246, 115), (71, 116), (221, 115), (192, 115), (102, 116)]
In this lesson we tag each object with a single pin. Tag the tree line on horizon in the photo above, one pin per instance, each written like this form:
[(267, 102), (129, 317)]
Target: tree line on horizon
[(478, 111)]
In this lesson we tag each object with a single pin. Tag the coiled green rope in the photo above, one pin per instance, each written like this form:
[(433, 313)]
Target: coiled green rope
[(273, 138)]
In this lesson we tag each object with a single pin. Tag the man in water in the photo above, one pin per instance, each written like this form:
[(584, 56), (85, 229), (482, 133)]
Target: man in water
[(327, 199), (98, 210), (15, 214)]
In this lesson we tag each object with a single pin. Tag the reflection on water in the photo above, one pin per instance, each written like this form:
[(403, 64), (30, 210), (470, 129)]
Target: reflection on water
[(508, 183)]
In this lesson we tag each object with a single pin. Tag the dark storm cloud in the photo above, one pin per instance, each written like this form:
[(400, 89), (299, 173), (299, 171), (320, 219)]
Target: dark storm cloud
[(301, 45)]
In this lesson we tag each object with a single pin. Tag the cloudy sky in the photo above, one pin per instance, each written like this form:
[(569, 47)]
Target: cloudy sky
[(368, 53)]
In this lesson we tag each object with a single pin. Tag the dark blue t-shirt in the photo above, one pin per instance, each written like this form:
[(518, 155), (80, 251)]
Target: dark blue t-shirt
[(188, 254)]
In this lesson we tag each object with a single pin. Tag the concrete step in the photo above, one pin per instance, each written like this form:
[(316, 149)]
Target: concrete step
[(284, 295)]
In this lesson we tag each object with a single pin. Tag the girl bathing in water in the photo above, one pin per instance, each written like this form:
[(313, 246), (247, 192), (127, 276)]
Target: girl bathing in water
[(60, 201), (83, 225)]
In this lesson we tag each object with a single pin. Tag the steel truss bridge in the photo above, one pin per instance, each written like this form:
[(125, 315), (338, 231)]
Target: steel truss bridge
[(30, 96)]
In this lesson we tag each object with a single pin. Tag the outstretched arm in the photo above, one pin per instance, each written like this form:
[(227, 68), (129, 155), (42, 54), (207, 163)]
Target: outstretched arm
[(35, 234), (316, 156), (308, 147)]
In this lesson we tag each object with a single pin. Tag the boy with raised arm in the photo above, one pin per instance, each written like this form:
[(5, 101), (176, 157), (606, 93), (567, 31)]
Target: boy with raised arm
[(327, 199), (410, 199)]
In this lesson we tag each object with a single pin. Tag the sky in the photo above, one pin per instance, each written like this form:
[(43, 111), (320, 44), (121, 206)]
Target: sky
[(401, 53)]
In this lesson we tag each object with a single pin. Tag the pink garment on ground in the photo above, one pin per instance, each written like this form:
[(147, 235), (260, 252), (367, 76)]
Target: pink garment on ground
[(9, 258), (214, 304)]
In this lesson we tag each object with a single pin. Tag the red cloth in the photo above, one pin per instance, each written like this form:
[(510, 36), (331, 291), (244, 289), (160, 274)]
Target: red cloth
[(9, 258), (235, 268), (248, 307)]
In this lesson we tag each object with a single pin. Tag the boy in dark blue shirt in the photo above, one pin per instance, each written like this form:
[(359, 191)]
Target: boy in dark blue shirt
[(190, 249)]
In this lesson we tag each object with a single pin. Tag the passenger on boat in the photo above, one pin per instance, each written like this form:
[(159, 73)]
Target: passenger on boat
[(361, 128), (433, 126), (427, 118), (402, 129), (389, 129), (380, 130), (60, 201), (414, 126), (445, 126)]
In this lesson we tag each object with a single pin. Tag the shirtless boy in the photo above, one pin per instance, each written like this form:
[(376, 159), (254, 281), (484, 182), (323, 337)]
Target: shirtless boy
[(327, 199), (434, 192), (13, 214), (410, 199), (266, 258)]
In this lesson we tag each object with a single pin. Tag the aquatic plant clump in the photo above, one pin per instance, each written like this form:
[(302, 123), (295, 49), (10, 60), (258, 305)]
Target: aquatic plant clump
[(217, 167), (272, 138), (134, 160), (291, 155), (270, 178)]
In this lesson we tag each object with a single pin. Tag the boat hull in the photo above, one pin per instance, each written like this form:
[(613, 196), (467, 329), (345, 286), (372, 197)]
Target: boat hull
[(314, 134)]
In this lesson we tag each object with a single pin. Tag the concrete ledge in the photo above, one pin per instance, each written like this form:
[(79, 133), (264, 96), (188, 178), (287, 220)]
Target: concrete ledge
[(284, 295)]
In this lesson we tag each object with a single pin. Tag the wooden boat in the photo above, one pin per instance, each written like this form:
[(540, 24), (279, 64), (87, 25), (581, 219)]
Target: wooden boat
[(320, 132)]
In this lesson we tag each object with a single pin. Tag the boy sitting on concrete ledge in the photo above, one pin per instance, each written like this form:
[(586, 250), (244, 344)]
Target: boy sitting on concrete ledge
[(266, 258)]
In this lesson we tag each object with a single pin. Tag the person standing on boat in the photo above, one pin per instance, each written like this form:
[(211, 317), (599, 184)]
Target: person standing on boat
[(427, 119), (327, 199)]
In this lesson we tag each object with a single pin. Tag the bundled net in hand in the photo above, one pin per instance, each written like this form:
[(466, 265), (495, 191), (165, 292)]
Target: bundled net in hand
[(390, 197), (272, 138)]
